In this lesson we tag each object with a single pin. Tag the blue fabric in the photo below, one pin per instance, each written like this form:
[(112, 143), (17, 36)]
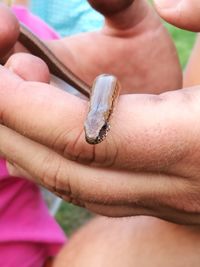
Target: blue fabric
[(67, 17)]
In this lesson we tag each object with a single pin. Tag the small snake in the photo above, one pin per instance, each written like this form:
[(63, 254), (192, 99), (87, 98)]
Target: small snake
[(105, 89)]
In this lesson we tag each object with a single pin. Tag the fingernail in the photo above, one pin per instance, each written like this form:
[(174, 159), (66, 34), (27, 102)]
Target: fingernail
[(167, 3)]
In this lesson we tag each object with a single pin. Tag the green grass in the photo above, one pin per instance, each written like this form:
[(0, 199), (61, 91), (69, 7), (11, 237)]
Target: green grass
[(71, 217)]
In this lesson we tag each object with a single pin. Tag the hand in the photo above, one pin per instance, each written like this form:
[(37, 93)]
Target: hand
[(128, 46), (133, 45), (149, 164)]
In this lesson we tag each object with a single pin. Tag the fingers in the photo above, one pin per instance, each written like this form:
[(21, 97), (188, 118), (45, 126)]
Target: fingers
[(148, 132), (108, 192), (181, 13), (9, 30), (23, 65), (136, 209)]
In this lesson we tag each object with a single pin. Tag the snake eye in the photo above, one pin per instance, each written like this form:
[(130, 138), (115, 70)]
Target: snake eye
[(105, 127), (103, 132)]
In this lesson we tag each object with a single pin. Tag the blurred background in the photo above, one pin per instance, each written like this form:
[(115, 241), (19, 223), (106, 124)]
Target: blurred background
[(66, 23)]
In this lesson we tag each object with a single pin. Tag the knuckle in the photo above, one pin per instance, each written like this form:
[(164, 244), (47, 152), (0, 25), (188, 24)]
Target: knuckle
[(51, 171), (72, 145)]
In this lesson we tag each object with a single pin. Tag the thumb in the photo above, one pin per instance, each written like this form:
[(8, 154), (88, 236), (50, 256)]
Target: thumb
[(23, 65), (184, 14)]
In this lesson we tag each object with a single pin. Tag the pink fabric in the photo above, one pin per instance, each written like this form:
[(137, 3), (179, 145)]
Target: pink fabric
[(28, 233), (37, 25)]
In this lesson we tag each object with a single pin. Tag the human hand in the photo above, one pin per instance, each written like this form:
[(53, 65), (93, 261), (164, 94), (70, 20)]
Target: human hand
[(133, 45), (149, 163), (128, 46)]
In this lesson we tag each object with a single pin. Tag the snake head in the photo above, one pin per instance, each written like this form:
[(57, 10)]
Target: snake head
[(95, 135), (105, 91)]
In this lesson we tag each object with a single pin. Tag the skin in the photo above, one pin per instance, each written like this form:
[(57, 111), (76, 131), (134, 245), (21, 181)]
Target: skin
[(181, 13), (163, 252), (131, 242), (191, 77), (149, 163), (130, 30)]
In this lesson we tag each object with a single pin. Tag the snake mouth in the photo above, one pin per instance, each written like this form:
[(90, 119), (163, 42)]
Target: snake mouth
[(101, 136), (94, 141)]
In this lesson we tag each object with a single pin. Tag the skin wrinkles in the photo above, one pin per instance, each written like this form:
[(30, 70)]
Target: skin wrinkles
[(158, 131), (74, 145), (90, 195), (53, 176), (104, 154), (109, 161), (68, 196), (57, 142), (154, 131), (148, 202), (65, 193), (87, 198), (77, 150)]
